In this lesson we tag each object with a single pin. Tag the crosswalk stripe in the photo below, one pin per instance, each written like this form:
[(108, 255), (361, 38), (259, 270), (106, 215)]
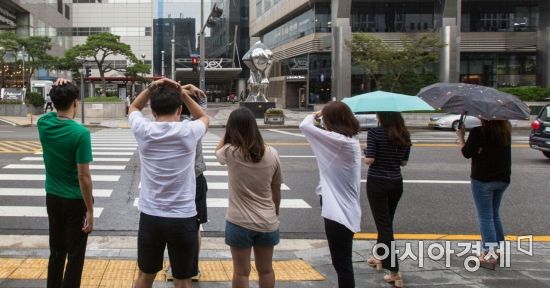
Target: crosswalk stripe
[(42, 192), (113, 148), (32, 211), (213, 164), (225, 186), (208, 151), (101, 153), (113, 145), (214, 173), (41, 167), (11, 147), (430, 181), (224, 203), (42, 177), (95, 159)]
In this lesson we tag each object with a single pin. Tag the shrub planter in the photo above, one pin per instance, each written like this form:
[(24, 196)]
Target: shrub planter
[(36, 110), (274, 116)]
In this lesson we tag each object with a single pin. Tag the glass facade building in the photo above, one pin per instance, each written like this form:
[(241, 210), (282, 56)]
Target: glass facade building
[(500, 40)]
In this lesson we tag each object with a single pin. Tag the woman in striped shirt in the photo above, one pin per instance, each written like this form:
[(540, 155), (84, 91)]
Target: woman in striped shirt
[(388, 148)]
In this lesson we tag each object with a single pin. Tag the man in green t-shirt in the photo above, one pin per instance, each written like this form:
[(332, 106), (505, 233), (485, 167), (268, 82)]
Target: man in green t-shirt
[(67, 151)]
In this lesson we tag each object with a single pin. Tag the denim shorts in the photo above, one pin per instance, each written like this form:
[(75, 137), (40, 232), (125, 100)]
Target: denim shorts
[(240, 237)]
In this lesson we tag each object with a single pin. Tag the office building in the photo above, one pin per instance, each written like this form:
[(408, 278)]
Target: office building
[(488, 42)]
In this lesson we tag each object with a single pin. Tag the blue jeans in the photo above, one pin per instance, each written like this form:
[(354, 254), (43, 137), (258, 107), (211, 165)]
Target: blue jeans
[(487, 197)]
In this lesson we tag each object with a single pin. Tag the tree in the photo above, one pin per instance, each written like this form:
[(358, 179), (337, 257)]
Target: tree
[(387, 65), (36, 47), (136, 72), (98, 48)]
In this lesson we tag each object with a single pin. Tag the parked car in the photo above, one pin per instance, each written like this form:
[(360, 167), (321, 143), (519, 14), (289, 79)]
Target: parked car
[(367, 120), (539, 138), (450, 121)]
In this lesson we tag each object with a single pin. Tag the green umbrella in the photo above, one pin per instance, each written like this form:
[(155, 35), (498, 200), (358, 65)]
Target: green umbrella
[(381, 101)]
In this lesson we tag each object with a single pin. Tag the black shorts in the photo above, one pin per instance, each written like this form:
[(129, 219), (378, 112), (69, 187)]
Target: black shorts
[(200, 199), (179, 234)]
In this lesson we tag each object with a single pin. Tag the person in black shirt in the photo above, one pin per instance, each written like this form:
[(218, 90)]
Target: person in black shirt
[(489, 147), (388, 148)]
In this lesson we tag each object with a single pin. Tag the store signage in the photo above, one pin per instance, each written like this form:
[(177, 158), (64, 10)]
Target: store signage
[(295, 77), (13, 94)]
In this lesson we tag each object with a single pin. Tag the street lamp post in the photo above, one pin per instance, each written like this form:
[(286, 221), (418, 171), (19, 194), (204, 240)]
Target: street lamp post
[(210, 22), (23, 58), (162, 63), (2, 53)]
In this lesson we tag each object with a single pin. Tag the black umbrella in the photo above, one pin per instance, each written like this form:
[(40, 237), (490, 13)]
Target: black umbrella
[(479, 101)]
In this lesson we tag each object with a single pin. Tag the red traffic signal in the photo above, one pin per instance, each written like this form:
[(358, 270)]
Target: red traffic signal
[(195, 63)]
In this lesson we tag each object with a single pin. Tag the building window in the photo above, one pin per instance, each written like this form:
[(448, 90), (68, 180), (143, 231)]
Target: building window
[(148, 31), (259, 10), (60, 6), (409, 16), (296, 28), (67, 12), (498, 69), (509, 16)]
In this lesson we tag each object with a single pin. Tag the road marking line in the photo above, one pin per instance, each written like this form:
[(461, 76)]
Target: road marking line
[(296, 156), (42, 192), (42, 177), (112, 148), (213, 164), (14, 148), (287, 133), (8, 122), (208, 151), (220, 185), (32, 211), (41, 167), (95, 159), (430, 181), (101, 153), (444, 237), (114, 145), (224, 203), (214, 173)]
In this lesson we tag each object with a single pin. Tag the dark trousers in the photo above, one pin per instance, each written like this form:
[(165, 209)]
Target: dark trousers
[(48, 105), (67, 241), (340, 244), (383, 199)]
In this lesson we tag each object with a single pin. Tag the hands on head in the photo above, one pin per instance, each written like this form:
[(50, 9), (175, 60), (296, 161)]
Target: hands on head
[(189, 89), (61, 82)]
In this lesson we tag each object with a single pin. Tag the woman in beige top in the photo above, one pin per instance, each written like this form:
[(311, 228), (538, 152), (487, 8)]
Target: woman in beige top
[(255, 179)]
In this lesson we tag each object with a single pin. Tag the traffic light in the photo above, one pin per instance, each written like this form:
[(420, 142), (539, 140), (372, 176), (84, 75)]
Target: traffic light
[(88, 71), (195, 63)]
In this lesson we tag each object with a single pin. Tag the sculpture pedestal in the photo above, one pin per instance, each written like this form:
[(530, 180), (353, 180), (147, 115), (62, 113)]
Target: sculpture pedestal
[(258, 108)]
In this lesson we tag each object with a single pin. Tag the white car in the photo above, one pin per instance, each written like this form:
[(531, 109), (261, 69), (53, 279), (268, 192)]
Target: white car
[(367, 120), (450, 121)]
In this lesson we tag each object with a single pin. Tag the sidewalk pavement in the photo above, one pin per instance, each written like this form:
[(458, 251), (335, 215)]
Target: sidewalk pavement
[(219, 114), (111, 262)]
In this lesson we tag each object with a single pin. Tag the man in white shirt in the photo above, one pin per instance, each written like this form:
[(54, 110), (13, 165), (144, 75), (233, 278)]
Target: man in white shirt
[(167, 196)]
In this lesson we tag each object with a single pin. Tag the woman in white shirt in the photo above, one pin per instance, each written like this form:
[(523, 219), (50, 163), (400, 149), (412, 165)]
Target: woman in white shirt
[(338, 154)]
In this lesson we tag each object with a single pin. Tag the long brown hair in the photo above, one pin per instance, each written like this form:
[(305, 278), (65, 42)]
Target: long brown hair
[(242, 132), (337, 117), (394, 125), (497, 131)]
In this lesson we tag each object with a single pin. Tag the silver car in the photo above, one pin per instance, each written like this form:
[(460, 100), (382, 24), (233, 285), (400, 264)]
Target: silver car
[(450, 121), (367, 120)]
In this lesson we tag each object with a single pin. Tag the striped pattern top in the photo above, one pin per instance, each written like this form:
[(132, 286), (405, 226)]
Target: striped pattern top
[(388, 157)]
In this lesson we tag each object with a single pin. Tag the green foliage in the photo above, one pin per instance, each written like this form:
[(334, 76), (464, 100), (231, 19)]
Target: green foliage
[(274, 111), (388, 65), (36, 47), (12, 101), (528, 93), (102, 99), (137, 70), (34, 99), (411, 82)]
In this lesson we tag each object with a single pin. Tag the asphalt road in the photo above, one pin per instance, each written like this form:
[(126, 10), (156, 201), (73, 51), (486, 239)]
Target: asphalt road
[(428, 206)]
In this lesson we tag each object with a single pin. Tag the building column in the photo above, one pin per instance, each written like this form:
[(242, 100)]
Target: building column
[(341, 53), (449, 59), (543, 45)]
